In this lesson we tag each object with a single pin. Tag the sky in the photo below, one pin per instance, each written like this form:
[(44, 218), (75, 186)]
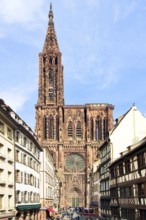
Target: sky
[(103, 45)]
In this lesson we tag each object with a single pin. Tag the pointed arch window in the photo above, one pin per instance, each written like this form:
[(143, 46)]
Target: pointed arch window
[(78, 130), (51, 94), (98, 128), (70, 130), (51, 127), (57, 128), (51, 78), (92, 129), (51, 83), (50, 60), (44, 59), (56, 60), (105, 127), (45, 127)]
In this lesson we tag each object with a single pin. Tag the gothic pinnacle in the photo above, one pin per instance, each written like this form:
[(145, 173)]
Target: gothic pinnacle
[(51, 39), (50, 15)]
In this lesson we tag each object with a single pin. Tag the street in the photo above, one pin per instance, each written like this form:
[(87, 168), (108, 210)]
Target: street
[(72, 214)]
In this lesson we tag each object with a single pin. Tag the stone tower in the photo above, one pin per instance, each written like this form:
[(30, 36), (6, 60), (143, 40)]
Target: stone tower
[(71, 132)]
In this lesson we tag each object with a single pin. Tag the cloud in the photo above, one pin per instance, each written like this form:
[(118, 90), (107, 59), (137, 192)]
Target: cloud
[(122, 10), (108, 77), (131, 8), (95, 72), (70, 3), (116, 12), (17, 96), (20, 11), (73, 4), (93, 2), (2, 35)]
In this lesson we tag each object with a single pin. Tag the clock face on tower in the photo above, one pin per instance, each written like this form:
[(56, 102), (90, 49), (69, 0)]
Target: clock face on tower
[(75, 163)]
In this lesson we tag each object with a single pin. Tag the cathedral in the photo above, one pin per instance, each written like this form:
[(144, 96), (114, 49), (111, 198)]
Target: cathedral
[(71, 132)]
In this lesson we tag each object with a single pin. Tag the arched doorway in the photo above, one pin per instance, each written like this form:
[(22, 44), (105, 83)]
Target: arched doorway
[(75, 197)]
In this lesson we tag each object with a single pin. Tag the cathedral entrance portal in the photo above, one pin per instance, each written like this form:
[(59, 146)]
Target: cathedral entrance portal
[(75, 198)]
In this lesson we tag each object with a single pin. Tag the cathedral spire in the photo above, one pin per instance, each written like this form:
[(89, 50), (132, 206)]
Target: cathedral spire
[(51, 43), (51, 88), (50, 15)]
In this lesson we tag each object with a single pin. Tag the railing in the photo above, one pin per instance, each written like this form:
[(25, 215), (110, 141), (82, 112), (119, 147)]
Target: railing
[(2, 181), (10, 159), (10, 183), (129, 201), (3, 209), (2, 155)]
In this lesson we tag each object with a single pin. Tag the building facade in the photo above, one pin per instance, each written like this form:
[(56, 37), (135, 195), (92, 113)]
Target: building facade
[(27, 172), (105, 159), (19, 168), (129, 129), (49, 185), (128, 184), (71, 132), (95, 187), (47, 179), (7, 166)]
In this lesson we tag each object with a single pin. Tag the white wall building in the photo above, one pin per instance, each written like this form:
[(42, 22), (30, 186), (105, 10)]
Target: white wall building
[(47, 178), (19, 167), (129, 129), (7, 183), (47, 183), (27, 170)]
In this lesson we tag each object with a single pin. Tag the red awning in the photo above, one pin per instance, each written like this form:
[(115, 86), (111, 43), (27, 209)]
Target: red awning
[(51, 210)]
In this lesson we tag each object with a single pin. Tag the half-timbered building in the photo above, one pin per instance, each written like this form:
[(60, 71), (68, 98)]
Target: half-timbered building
[(128, 184), (128, 129)]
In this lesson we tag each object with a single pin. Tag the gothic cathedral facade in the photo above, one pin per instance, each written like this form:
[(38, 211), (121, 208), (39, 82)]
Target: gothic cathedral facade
[(71, 132)]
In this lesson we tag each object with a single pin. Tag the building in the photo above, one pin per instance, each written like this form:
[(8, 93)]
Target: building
[(128, 183), (27, 171), (47, 179), (57, 193), (105, 159), (95, 187), (19, 167), (129, 129), (49, 184), (7, 167), (72, 133)]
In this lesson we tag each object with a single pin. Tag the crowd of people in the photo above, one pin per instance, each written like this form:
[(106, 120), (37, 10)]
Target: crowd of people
[(71, 213)]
